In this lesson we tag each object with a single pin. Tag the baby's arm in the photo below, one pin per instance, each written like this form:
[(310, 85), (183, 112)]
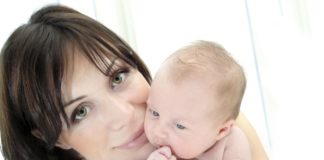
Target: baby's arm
[(237, 146), (163, 153)]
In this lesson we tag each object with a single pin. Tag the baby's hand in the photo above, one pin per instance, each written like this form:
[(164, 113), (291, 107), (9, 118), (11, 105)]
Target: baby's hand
[(163, 153)]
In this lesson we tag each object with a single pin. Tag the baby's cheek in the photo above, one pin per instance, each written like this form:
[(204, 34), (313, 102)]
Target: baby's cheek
[(183, 152)]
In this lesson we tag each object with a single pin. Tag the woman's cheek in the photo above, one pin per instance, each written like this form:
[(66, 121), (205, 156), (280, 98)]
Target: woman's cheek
[(147, 127), (142, 89)]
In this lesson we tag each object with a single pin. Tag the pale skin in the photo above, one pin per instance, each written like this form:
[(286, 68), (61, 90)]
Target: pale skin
[(179, 119), (108, 113)]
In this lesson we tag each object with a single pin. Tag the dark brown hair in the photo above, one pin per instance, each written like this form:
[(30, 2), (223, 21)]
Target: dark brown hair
[(33, 62)]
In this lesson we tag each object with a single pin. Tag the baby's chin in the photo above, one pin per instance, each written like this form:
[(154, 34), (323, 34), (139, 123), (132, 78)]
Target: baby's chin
[(185, 156), (179, 158)]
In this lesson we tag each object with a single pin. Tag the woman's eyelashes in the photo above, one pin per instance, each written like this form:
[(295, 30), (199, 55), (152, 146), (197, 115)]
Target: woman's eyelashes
[(118, 77), (80, 112)]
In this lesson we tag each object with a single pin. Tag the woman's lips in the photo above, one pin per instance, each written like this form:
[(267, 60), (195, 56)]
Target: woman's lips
[(137, 140)]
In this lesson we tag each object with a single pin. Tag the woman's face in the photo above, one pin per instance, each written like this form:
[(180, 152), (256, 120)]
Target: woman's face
[(106, 113)]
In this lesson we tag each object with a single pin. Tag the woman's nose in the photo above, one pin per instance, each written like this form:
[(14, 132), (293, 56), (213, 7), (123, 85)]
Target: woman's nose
[(120, 114)]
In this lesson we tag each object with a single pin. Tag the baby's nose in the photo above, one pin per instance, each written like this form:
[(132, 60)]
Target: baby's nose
[(160, 136), (159, 142)]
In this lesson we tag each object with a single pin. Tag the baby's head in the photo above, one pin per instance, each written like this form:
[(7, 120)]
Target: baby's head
[(195, 98)]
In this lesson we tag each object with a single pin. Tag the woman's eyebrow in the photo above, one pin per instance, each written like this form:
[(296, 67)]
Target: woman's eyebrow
[(73, 100)]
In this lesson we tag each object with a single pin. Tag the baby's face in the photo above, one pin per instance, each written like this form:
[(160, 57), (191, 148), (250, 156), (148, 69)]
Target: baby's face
[(180, 116)]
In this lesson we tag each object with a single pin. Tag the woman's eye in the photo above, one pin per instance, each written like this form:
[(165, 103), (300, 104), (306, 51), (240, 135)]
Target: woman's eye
[(179, 126), (154, 113), (118, 78), (80, 113)]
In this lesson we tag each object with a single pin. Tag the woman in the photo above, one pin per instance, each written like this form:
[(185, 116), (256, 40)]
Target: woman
[(72, 89)]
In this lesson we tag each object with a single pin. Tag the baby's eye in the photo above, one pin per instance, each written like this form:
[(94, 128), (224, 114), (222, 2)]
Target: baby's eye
[(179, 126), (80, 113), (118, 78), (154, 113)]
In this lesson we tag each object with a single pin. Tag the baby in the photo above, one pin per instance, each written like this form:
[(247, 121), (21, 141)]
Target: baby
[(194, 101)]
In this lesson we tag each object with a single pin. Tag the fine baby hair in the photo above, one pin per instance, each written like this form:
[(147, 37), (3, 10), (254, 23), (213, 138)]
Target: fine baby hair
[(211, 60)]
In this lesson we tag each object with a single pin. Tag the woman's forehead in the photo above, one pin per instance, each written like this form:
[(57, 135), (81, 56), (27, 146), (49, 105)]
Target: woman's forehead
[(78, 67), (77, 57)]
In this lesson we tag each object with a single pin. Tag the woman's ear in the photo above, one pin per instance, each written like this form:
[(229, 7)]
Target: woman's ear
[(225, 129), (40, 136), (62, 145), (36, 133)]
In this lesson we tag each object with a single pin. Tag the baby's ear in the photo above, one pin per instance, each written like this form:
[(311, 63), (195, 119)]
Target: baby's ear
[(225, 129), (40, 136)]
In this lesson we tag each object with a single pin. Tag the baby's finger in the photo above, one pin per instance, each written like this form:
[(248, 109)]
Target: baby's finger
[(166, 151), (173, 158), (157, 157)]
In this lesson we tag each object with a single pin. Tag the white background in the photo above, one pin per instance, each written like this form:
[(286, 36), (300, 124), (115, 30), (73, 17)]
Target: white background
[(278, 42)]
